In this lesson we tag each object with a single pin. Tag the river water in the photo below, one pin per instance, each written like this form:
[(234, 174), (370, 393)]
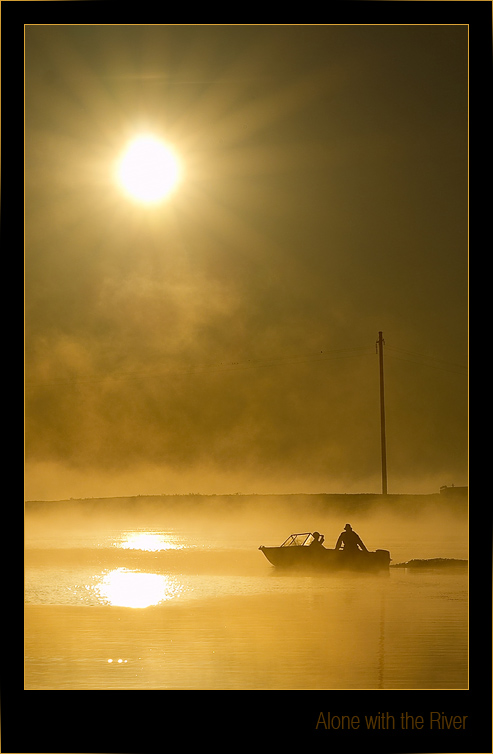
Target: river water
[(181, 598)]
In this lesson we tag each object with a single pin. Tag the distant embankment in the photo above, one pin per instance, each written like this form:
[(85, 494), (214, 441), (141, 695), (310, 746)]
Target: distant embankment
[(432, 563), (347, 503)]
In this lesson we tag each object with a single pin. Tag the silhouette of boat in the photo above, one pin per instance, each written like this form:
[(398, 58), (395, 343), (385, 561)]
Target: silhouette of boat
[(301, 551)]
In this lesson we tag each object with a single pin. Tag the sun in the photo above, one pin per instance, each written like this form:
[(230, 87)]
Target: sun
[(149, 170)]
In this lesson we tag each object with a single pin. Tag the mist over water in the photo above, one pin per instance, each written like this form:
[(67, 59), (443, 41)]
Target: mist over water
[(409, 525), (172, 592)]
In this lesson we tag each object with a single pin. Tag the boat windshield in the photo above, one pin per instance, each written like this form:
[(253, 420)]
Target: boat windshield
[(298, 540)]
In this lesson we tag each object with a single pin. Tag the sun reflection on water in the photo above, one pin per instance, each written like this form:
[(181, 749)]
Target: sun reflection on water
[(148, 541), (124, 588)]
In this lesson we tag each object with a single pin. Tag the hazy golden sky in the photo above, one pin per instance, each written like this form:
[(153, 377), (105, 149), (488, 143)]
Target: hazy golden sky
[(224, 340)]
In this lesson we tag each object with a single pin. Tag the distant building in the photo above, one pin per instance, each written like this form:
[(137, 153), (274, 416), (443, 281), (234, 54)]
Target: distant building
[(453, 491)]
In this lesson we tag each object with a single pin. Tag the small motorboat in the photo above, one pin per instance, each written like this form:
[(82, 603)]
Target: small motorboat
[(305, 551)]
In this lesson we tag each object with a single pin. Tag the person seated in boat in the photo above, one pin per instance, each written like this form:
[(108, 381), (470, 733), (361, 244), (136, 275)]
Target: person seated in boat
[(318, 539), (351, 541)]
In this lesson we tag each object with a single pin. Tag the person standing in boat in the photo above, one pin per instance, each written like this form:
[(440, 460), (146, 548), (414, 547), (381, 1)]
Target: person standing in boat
[(351, 541)]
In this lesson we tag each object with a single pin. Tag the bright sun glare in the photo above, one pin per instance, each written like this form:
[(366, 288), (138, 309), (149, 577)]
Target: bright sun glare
[(148, 541), (148, 170), (125, 588)]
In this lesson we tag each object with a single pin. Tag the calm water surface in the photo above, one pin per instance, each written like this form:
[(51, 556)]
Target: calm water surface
[(179, 608)]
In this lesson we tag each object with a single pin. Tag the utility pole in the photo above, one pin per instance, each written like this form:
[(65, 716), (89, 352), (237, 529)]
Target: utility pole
[(380, 344)]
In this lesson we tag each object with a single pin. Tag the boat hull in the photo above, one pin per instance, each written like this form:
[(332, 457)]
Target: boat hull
[(320, 558)]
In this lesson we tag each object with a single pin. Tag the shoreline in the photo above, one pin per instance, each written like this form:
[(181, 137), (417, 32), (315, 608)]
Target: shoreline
[(451, 500), (448, 494)]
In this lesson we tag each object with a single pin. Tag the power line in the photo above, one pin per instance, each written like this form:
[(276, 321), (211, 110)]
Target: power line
[(265, 362), (424, 360), (428, 358), (223, 366)]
